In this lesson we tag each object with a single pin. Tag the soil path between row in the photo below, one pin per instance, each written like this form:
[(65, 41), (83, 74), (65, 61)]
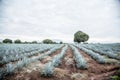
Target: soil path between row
[(95, 69), (50, 57)]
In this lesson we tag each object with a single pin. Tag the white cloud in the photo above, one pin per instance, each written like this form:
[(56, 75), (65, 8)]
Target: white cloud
[(60, 19)]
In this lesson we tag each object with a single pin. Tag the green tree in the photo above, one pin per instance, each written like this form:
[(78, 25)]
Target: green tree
[(47, 41), (34, 42), (61, 42), (80, 36), (26, 42), (7, 41), (17, 41)]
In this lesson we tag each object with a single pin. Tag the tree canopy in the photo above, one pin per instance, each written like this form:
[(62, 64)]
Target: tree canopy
[(34, 42), (7, 41), (47, 41), (17, 41), (80, 36)]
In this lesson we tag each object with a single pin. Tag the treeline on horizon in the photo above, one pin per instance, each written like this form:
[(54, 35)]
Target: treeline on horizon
[(18, 41), (79, 37)]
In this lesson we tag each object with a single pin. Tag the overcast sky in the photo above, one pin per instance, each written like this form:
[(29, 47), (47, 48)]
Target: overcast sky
[(60, 19)]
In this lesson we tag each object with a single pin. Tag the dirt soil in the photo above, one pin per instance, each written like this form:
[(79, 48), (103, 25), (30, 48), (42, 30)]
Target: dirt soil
[(95, 70), (71, 64), (49, 57)]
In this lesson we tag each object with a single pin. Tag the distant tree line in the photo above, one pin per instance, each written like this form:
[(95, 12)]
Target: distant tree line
[(49, 41), (18, 41), (79, 37)]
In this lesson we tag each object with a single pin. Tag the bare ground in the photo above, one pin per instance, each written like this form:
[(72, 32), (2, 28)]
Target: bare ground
[(49, 57), (95, 69)]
